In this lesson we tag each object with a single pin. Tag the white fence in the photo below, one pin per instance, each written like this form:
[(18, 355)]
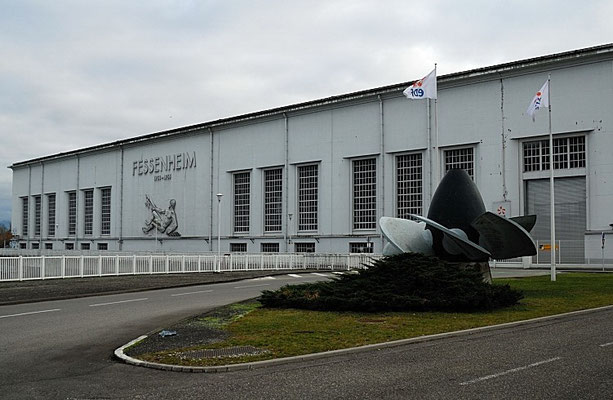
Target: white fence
[(82, 266)]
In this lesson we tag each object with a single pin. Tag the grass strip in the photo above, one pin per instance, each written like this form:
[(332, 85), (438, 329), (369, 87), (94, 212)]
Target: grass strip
[(291, 332)]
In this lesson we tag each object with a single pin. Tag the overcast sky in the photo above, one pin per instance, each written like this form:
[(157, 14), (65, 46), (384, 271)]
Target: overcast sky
[(83, 72)]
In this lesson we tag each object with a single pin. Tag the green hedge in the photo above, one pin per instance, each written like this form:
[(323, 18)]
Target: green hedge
[(406, 282)]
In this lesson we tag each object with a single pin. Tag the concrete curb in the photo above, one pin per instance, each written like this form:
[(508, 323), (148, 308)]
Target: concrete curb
[(119, 353)]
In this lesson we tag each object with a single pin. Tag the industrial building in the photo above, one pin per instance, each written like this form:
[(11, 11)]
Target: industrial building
[(317, 176)]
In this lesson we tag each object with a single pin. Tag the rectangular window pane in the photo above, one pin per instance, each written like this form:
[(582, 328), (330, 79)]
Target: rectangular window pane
[(270, 247), (273, 200), (242, 193), (88, 212), (37, 210), (532, 156), (69, 246), (25, 216), (72, 213), (304, 247), (461, 159), (238, 247), (308, 197), (560, 153), (85, 246), (577, 152), (361, 247), (365, 194), (103, 246), (51, 214), (409, 185), (105, 211)]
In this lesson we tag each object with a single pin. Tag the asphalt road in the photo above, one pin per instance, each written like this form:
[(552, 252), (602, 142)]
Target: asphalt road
[(62, 350)]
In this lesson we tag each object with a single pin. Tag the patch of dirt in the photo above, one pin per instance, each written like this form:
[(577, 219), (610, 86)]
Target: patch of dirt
[(197, 330)]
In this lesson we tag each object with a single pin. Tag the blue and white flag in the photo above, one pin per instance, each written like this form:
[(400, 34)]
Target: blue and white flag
[(424, 88), (540, 100)]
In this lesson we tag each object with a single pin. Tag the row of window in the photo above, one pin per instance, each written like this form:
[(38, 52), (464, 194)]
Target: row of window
[(67, 246), (409, 191), (568, 152), (300, 247), (71, 213)]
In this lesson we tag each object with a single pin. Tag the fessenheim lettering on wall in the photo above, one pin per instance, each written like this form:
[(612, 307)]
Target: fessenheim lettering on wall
[(162, 167)]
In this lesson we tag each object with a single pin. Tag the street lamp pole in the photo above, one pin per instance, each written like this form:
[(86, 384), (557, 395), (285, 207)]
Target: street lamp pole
[(219, 196), (289, 228)]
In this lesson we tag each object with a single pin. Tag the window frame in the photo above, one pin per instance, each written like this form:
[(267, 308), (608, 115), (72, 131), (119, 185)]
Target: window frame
[(106, 201), (241, 205), (88, 212), (273, 200), (307, 197), (405, 202), (460, 160), (364, 194)]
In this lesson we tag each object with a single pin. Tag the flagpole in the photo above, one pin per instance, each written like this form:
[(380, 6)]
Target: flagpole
[(551, 187), (438, 161), (430, 151)]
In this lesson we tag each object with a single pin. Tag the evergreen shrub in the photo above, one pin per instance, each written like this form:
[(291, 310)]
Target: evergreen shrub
[(406, 282)]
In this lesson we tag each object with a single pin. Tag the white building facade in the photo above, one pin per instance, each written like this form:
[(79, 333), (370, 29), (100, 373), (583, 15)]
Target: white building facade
[(317, 176)]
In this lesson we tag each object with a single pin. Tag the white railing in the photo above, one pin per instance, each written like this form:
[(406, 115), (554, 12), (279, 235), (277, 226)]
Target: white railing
[(81, 266)]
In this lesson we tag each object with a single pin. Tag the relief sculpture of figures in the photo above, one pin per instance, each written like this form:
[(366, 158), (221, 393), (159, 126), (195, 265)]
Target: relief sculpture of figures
[(163, 220)]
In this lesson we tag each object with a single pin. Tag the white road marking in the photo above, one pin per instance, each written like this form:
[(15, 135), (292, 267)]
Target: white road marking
[(606, 344), (250, 286), (117, 302), (536, 364), (318, 274), (264, 278), (29, 313), (188, 293), (338, 273), (294, 275)]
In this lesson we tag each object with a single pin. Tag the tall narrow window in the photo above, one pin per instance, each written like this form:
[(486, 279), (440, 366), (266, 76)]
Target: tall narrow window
[(37, 211), (72, 213), (105, 211), (273, 199), (242, 193), (461, 159), (25, 216), (51, 214), (307, 197), (365, 194), (88, 212), (409, 185)]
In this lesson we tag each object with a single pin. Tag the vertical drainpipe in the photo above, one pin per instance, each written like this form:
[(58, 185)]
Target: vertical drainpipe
[(286, 189), (29, 206), (382, 151), (504, 142), (211, 190), (121, 200), (76, 244), (42, 197)]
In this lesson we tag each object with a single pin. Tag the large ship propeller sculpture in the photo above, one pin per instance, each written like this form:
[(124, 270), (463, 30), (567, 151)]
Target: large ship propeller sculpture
[(458, 228)]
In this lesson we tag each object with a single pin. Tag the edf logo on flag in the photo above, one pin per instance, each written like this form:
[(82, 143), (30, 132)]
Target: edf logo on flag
[(424, 88), (540, 99)]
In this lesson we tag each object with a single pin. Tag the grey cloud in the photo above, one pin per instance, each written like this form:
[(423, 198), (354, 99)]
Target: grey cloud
[(78, 73)]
